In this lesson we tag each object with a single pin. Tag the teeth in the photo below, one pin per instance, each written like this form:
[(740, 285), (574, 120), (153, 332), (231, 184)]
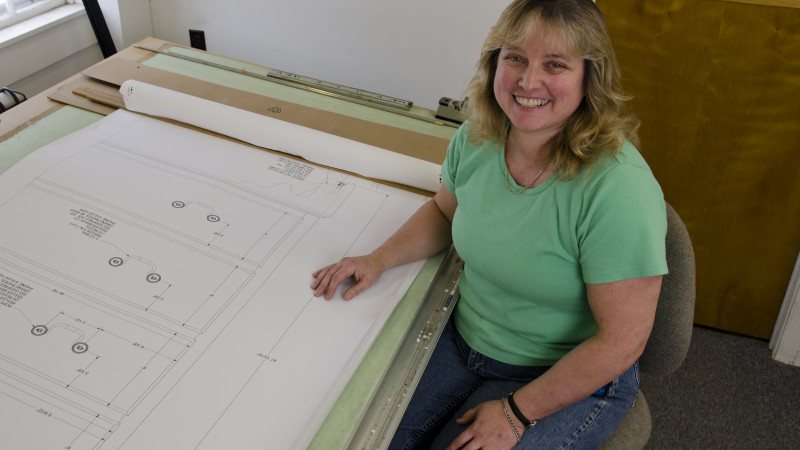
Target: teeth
[(531, 102)]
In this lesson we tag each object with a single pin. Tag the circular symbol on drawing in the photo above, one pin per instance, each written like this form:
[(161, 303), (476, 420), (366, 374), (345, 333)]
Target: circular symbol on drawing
[(178, 204), (153, 277), (115, 261), (80, 347), (212, 218), (38, 330)]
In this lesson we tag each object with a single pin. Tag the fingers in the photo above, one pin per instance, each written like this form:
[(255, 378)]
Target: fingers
[(488, 429), (364, 270), (338, 275), (319, 277), (327, 280), (464, 438), (468, 417), (364, 280), (354, 290)]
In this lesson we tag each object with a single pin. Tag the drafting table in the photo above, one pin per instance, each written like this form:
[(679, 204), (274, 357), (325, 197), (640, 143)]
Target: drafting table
[(378, 389)]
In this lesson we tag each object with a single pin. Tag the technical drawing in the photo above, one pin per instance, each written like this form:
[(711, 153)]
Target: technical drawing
[(79, 359), (141, 263)]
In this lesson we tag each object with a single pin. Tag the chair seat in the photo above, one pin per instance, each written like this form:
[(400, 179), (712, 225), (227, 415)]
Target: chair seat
[(634, 430)]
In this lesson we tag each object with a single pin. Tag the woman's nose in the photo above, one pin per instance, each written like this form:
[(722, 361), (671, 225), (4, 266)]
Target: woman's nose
[(531, 78)]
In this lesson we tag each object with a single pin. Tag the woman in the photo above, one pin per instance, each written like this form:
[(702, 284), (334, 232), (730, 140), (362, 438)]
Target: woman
[(561, 227)]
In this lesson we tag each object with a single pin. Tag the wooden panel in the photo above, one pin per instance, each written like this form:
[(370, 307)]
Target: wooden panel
[(717, 86)]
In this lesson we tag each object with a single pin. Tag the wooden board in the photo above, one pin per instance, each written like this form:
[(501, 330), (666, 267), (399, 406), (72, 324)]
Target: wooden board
[(716, 86)]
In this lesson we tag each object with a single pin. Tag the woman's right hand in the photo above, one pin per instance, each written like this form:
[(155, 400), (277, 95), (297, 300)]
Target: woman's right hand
[(424, 234), (365, 270)]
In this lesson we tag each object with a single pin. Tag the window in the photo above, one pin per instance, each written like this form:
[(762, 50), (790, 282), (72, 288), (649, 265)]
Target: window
[(13, 11)]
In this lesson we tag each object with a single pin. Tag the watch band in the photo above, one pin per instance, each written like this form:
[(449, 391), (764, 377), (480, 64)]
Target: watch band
[(525, 421)]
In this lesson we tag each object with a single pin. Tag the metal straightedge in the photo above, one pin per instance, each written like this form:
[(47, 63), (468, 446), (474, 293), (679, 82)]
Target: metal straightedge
[(390, 400)]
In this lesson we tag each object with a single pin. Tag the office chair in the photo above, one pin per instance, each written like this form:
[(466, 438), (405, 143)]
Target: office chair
[(672, 330)]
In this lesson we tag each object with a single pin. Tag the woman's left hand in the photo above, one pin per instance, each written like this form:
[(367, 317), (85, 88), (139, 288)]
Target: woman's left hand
[(489, 429)]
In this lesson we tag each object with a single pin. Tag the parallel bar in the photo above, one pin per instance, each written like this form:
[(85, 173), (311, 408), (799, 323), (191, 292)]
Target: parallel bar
[(342, 90), (273, 79), (390, 400)]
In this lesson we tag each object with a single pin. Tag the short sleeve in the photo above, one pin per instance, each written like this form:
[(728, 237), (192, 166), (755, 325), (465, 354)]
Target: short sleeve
[(623, 227), (451, 160)]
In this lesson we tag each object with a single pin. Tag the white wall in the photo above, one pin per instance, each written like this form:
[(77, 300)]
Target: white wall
[(418, 50), (128, 21)]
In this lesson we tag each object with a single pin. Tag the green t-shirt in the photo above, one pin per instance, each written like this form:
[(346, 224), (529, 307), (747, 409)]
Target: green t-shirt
[(529, 256)]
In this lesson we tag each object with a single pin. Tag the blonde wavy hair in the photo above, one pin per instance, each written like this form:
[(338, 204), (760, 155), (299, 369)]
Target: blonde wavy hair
[(600, 125)]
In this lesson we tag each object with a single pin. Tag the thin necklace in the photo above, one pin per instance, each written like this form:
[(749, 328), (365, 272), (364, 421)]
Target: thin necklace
[(529, 185)]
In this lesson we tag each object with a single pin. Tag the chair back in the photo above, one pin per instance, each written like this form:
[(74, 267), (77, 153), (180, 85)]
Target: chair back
[(672, 331)]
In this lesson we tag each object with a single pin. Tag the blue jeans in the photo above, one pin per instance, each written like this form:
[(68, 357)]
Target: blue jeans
[(458, 378)]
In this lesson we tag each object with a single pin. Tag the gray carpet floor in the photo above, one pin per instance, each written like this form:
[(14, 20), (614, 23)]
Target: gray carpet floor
[(728, 394)]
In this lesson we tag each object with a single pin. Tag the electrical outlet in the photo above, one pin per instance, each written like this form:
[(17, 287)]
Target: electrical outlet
[(197, 39)]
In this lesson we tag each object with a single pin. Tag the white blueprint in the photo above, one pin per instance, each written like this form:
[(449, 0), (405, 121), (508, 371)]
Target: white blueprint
[(154, 290)]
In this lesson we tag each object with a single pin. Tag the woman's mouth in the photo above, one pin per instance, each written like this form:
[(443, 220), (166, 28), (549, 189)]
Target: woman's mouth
[(530, 102)]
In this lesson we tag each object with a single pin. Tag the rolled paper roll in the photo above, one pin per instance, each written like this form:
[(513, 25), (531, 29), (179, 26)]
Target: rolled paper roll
[(267, 132)]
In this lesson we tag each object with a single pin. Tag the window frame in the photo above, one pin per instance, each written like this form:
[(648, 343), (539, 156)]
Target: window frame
[(14, 16)]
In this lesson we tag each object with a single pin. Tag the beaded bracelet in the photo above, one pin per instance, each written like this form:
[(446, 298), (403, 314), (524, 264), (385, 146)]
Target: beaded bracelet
[(525, 421), (510, 422)]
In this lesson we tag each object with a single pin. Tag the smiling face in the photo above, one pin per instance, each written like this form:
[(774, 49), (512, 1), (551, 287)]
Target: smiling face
[(538, 84)]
